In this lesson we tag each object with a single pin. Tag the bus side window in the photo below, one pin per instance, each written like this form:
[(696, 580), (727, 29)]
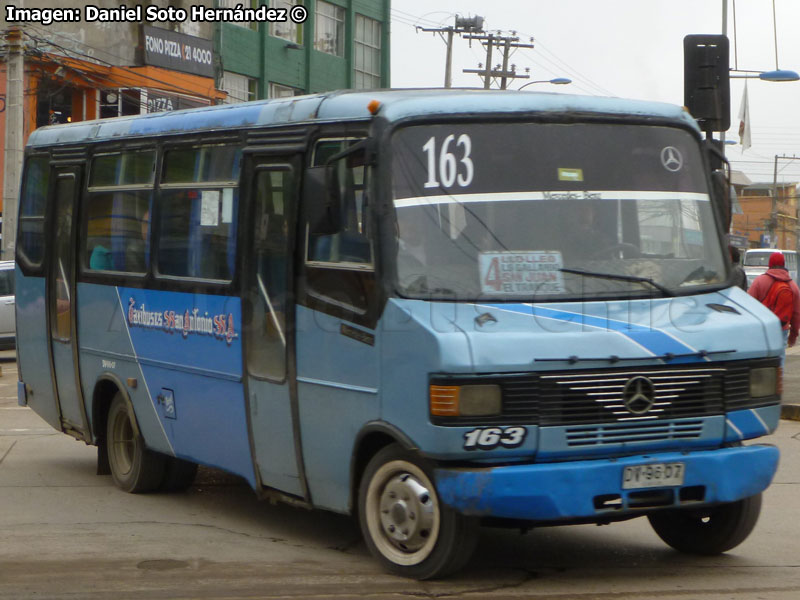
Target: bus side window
[(116, 216), (351, 244), (340, 265), (117, 231), (61, 267), (265, 311), (198, 207), (30, 236), (197, 233)]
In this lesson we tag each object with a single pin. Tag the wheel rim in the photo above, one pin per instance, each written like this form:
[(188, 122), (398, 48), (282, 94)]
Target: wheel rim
[(123, 443), (402, 513)]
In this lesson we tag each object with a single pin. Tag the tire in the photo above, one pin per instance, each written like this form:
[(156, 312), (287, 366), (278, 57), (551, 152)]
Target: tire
[(134, 468), (708, 531), (404, 523), (178, 475)]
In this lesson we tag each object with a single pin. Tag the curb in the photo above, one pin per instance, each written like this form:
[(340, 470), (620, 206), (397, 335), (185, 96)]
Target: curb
[(790, 412)]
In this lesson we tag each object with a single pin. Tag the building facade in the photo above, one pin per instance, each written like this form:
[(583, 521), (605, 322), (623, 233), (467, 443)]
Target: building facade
[(341, 44), (756, 221)]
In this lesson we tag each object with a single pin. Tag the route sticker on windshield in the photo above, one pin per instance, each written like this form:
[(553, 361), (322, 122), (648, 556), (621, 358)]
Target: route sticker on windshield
[(521, 272)]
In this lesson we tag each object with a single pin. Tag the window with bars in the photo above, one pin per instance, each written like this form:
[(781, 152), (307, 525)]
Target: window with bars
[(240, 88), (367, 53), (329, 34), (287, 30)]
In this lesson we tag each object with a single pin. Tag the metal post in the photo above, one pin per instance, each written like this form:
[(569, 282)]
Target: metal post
[(14, 134), (448, 67), (506, 50), (773, 215), (487, 82)]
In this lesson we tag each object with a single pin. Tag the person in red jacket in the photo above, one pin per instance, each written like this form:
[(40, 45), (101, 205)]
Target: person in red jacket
[(786, 307)]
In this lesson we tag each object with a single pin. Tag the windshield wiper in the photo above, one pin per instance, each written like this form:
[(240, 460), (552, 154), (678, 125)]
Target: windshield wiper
[(635, 278)]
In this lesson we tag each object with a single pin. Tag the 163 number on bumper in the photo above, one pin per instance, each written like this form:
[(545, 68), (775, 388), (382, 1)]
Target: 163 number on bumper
[(653, 475), (488, 438)]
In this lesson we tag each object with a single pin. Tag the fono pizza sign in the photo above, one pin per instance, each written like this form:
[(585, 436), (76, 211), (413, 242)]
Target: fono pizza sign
[(177, 51)]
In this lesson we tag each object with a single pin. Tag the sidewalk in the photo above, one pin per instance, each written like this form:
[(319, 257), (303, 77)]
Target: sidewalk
[(791, 410)]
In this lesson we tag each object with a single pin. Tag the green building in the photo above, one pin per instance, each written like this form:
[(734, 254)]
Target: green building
[(341, 44)]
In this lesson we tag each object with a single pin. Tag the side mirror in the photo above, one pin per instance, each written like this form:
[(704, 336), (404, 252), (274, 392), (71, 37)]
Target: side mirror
[(324, 193), (321, 204), (720, 183), (721, 197)]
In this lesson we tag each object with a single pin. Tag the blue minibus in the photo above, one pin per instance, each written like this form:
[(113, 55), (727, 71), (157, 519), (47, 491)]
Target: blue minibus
[(432, 309)]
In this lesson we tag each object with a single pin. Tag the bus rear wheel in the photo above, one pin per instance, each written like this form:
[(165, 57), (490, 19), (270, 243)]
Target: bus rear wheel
[(134, 468), (708, 531), (404, 523)]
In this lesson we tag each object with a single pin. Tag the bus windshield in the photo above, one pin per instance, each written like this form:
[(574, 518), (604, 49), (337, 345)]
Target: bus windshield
[(541, 211), (757, 259)]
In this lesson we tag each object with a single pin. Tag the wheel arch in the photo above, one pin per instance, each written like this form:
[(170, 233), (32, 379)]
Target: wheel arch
[(374, 436), (105, 388)]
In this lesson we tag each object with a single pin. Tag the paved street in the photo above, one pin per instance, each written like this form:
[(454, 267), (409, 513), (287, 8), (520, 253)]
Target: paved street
[(69, 534)]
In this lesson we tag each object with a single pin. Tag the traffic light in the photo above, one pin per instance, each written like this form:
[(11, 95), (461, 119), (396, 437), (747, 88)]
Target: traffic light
[(706, 80)]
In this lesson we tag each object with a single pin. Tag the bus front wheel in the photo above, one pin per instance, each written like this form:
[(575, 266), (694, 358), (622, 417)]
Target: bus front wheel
[(134, 468), (404, 523), (708, 531)]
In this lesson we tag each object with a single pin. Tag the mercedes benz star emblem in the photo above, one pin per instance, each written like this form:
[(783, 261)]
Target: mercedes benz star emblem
[(639, 395), (671, 158)]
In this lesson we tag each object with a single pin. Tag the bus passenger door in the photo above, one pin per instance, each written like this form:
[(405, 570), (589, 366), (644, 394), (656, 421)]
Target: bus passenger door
[(338, 303), (268, 320), (61, 301)]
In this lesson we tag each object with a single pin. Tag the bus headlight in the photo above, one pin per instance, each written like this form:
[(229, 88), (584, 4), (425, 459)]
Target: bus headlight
[(764, 382), (465, 400)]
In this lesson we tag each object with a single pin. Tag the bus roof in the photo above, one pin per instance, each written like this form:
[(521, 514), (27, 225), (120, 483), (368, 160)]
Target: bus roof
[(347, 105)]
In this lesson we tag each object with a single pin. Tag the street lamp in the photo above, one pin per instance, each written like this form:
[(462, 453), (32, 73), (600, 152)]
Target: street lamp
[(776, 75), (555, 81)]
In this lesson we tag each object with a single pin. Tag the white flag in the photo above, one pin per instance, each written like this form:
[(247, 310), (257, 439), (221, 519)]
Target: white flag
[(744, 121)]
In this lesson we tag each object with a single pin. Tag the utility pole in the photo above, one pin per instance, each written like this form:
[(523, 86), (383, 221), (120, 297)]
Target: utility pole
[(14, 150), (462, 25), (490, 41), (773, 216), (773, 213), (448, 68)]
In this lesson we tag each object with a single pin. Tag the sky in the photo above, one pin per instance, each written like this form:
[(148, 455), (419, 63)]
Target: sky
[(624, 48)]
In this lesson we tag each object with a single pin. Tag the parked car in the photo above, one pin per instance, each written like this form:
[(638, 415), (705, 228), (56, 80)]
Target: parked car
[(8, 334), (756, 262)]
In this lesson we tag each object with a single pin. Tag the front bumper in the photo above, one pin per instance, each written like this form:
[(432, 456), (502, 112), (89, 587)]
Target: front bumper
[(582, 489)]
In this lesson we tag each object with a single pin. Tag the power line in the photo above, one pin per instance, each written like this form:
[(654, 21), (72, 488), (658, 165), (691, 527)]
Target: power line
[(576, 74), (491, 41)]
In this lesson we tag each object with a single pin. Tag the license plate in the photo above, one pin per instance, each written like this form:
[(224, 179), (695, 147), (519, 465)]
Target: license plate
[(653, 475)]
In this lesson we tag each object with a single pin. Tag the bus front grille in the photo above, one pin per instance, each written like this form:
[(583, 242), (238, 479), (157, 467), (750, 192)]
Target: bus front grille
[(597, 397), (652, 431), (601, 396)]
